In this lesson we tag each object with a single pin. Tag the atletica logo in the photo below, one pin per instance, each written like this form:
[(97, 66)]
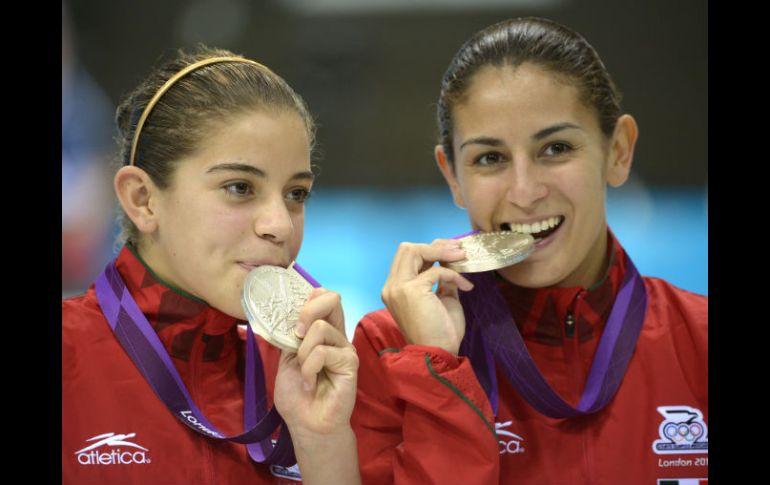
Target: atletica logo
[(682, 431), (116, 456), (513, 443)]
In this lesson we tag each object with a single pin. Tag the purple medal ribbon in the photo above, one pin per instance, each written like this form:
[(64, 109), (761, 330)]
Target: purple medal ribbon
[(142, 344), (491, 336), (306, 275)]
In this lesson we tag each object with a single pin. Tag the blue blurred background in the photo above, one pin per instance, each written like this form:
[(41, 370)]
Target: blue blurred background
[(370, 72)]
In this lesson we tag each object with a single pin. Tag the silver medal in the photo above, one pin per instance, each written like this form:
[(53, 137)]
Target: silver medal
[(272, 298), (486, 251)]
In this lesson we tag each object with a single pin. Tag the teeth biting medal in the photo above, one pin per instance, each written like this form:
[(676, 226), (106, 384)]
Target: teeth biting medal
[(272, 298), (486, 251)]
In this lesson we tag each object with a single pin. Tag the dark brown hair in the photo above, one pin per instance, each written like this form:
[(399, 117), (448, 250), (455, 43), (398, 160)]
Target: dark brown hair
[(202, 99), (543, 42)]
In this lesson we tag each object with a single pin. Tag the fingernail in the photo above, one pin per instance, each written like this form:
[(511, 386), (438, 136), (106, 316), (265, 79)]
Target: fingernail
[(300, 329)]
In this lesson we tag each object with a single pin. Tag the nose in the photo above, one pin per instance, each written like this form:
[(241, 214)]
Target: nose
[(527, 186), (273, 220)]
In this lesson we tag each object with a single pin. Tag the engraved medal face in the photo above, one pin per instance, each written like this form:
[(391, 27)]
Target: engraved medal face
[(272, 298), (487, 251)]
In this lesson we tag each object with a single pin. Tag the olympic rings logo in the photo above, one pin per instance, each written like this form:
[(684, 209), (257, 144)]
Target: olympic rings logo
[(683, 430)]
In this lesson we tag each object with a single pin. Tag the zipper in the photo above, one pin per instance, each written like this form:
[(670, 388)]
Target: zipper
[(569, 325), (569, 322)]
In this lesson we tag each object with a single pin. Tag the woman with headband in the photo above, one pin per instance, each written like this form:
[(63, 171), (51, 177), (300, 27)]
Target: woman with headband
[(158, 384), (567, 367)]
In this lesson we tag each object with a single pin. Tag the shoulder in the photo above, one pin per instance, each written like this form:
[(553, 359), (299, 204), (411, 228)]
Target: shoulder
[(381, 317), (677, 313), (673, 345), (83, 324), (80, 313), (662, 296), (379, 330)]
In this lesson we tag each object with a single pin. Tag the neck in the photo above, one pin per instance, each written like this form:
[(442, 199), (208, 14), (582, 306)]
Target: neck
[(150, 262)]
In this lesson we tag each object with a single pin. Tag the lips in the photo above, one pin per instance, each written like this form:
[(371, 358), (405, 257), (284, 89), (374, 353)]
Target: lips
[(250, 265)]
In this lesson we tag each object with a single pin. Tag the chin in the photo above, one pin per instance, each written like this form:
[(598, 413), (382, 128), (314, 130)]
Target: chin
[(236, 313), (231, 308)]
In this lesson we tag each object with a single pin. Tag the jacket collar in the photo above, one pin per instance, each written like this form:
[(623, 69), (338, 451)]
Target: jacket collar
[(541, 313), (178, 317)]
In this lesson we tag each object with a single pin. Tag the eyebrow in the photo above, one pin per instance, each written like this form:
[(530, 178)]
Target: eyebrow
[(252, 170), (553, 129), (483, 140), (545, 132)]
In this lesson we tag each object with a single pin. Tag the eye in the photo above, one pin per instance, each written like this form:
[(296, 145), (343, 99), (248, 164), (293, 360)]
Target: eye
[(298, 195), (557, 149), (488, 159), (238, 189)]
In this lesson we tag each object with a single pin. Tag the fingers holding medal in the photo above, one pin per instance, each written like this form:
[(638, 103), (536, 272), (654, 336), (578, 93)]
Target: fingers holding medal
[(321, 304), (428, 318), (282, 305), (308, 324), (324, 345), (424, 317)]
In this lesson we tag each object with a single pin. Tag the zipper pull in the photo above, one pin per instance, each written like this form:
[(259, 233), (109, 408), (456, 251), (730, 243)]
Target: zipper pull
[(569, 325)]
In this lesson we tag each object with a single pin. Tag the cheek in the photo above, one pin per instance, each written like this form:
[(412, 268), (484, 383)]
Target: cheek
[(191, 224), (585, 188), (231, 220), (483, 194), (230, 224), (213, 233), (295, 243)]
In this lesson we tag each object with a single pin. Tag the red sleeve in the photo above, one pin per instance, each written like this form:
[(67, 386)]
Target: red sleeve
[(420, 416)]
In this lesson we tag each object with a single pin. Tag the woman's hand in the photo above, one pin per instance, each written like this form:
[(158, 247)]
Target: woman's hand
[(425, 317), (315, 390)]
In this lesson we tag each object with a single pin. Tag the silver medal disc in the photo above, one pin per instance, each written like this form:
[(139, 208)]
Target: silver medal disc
[(272, 298), (488, 251)]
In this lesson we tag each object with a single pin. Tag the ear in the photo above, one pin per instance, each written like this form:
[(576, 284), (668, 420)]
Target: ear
[(447, 170), (137, 193), (621, 151)]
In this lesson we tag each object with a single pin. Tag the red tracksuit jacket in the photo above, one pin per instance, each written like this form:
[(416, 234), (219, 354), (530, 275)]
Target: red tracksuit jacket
[(421, 416), (105, 396)]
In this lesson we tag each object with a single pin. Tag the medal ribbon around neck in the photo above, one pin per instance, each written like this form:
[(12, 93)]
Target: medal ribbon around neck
[(142, 344), (491, 336)]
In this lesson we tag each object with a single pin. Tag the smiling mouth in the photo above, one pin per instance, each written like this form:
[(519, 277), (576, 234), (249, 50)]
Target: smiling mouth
[(539, 230)]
